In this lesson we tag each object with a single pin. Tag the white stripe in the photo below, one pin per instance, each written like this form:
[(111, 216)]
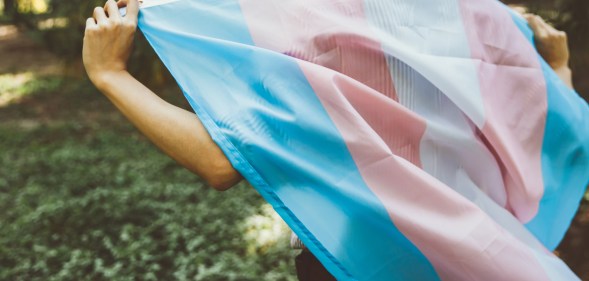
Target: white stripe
[(420, 58), (146, 4), (450, 149), (556, 269), (433, 43), (151, 3), (451, 153)]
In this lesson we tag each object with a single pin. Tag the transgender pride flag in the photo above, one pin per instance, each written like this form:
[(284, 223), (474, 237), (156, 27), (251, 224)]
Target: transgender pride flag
[(399, 139)]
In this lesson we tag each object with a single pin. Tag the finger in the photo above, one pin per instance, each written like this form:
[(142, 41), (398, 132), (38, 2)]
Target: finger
[(546, 25), (552, 29), (90, 23), (112, 10), (537, 25), (542, 23), (100, 16), (132, 8), (123, 3), (532, 21)]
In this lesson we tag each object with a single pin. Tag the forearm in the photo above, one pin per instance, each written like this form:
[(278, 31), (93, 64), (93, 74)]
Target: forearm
[(179, 133)]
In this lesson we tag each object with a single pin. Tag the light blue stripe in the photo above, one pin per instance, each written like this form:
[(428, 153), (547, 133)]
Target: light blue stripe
[(565, 155), (261, 110)]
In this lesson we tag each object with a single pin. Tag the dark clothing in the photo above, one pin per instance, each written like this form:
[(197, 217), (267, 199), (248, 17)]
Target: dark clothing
[(310, 269)]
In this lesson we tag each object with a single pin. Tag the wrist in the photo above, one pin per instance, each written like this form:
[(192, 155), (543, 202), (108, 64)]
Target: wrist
[(565, 69), (103, 79), (565, 74), (560, 63)]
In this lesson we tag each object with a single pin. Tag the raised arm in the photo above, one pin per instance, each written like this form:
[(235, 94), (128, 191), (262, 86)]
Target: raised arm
[(180, 134)]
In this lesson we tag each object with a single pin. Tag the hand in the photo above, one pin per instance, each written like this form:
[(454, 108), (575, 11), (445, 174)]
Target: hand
[(551, 43), (108, 40), (552, 46)]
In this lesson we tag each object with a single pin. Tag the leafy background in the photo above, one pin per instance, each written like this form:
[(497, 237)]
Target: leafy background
[(84, 196)]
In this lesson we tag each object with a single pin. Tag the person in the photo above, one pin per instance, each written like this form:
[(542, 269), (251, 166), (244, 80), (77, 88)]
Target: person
[(179, 133)]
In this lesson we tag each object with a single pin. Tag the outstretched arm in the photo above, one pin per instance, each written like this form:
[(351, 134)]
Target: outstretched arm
[(180, 134)]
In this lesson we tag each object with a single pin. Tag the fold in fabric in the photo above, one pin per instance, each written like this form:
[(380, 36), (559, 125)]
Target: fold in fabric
[(400, 140)]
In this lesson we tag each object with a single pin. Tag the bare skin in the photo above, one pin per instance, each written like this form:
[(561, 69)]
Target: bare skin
[(108, 41), (180, 134), (552, 46)]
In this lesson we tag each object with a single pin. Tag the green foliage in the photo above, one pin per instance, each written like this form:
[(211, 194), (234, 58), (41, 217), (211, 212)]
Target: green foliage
[(85, 197)]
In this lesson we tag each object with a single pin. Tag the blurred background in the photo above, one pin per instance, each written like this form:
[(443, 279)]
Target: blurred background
[(84, 196)]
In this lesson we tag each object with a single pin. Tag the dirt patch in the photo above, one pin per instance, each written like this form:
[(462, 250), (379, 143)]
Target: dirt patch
[(20, 54)]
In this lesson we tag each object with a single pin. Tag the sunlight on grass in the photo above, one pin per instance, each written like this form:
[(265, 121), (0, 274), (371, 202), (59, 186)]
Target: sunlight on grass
[(264, 230), (14, 87)]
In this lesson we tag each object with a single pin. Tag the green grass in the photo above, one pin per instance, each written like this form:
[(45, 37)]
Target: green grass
[(85, 197)]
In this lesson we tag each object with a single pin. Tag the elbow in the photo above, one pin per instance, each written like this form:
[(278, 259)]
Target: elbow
[(222, 176), (221, 184)]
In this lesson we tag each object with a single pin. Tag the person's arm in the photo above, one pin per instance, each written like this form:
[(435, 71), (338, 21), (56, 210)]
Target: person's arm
[(552, 46), (180, 134)]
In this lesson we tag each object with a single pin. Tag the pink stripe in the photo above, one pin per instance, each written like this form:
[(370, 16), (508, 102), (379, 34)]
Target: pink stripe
[(383, 120), (514, 94), (459, 239), (310, 35), (293, 29)]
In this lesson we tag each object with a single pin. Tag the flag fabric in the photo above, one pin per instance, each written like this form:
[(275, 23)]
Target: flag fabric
[(399, 139)]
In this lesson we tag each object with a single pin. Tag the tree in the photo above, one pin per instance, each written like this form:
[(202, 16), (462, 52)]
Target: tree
[(9, 8)]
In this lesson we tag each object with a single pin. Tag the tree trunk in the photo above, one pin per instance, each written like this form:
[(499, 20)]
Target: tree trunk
[(10, 10), (9, 7)]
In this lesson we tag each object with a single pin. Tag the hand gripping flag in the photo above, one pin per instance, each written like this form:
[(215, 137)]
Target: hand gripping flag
[(399, 139)]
